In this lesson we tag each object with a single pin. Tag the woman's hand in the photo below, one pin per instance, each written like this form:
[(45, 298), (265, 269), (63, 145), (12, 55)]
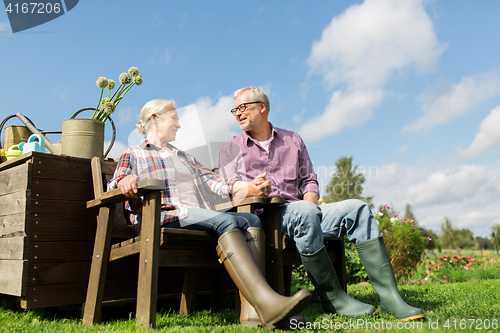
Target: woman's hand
[(128, 186), (259, 187)]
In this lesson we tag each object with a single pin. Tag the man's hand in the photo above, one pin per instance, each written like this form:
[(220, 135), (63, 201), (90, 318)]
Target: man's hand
[(128, 186), (311, 196), (262, 185)]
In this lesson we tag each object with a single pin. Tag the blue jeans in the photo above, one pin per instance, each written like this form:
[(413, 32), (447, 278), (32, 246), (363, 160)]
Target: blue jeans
[(216, 223), (307, 223)]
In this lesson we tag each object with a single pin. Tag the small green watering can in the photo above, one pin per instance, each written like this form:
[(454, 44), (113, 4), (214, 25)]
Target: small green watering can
[(13, 152)]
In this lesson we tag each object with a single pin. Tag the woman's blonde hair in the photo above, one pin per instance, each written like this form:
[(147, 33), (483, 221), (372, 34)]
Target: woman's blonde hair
[(155, 106)]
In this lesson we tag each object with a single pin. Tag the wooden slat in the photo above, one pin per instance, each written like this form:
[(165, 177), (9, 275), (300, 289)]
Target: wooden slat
[(58, 272), (14, 179), (14, 203), (61, 209), (256, 202), (124, 251), (147, 292), (13, 277), (100, 260), (42, 188), (13, 248), (14, 225), (97, 177), (60, 251), (144, 186), (61, 168), (117, 288), (15, 162), (50, 230)]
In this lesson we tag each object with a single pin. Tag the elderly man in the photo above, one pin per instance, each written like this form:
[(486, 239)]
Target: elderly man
[(283, 155)]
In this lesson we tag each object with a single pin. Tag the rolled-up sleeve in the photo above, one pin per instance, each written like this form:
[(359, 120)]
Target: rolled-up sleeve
[(126, 165), (307, 178)]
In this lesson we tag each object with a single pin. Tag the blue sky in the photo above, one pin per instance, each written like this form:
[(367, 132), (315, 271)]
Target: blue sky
[(410, 89)]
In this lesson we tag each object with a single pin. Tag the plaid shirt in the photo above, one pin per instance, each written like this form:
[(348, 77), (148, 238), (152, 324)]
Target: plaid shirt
[(148, 161)]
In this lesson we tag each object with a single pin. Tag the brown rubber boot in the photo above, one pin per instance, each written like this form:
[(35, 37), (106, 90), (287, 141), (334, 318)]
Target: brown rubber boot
[(270, 306), (256, 242)]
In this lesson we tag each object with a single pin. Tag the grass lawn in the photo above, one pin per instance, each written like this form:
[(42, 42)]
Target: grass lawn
[(463, 306)]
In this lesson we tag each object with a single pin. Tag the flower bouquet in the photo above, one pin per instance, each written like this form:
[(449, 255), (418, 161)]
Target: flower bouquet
[(107, 105)]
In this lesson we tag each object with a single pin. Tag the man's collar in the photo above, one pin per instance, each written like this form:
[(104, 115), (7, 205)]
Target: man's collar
[(249, 137)]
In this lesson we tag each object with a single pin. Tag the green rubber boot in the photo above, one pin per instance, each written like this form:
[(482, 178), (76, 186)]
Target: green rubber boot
[(320, 270), (377, 263)]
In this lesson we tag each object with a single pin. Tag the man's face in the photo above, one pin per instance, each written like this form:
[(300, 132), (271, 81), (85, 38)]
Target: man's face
[(250, 119)]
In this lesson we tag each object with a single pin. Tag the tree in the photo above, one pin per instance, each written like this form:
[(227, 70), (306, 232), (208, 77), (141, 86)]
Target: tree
[(431, 237), (466, 239), (449, 236), (409, 213), (346, 183), (495, 235)]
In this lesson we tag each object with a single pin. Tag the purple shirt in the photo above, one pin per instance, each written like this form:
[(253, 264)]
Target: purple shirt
[(288, 166)]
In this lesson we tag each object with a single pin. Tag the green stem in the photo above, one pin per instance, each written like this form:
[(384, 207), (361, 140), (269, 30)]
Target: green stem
[(128, 88), (97, 107)]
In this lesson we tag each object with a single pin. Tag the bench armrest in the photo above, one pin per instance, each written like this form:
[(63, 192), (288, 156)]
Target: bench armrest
[(255, 202), (115, 196)]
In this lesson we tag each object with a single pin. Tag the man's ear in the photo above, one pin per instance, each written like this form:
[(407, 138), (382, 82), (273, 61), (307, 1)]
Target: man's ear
[(263, 107)]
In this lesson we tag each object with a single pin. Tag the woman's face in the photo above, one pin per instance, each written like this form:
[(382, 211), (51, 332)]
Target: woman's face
[(168, 125)]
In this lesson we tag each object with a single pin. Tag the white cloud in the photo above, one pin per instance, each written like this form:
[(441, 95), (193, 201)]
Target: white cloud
[(488, 136), (117, 149), (435, 191), (448, 101), (361, 50), (366, 44), (450, 185), (345, 110), (218, 122)]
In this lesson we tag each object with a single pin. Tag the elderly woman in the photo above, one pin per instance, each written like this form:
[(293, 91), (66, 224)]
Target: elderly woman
[(185, 204)]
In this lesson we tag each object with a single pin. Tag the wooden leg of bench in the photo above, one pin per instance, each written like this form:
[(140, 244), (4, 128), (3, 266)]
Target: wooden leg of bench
[(147, 288), (274, 249), (189, 291), (100, 258)]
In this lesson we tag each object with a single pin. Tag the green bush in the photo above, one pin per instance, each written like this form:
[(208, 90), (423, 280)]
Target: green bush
[(404, 241), (355, 271)]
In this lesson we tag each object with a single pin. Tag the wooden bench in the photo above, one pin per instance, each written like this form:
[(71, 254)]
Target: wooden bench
[(155, 246)]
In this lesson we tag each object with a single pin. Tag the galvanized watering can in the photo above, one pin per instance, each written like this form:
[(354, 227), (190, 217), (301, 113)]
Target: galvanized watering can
[(85, 137)]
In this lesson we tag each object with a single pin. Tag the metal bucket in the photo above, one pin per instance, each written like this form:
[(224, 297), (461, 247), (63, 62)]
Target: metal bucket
[(84, 137), (14, 135)]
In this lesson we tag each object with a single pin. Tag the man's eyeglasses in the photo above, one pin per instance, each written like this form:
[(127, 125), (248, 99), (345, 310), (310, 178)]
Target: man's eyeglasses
[(242, 107)]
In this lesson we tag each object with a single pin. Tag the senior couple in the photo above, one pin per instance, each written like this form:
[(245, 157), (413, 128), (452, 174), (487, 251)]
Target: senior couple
[(281, 167)]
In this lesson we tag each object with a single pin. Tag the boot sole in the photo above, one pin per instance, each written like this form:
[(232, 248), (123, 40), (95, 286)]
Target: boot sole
[(420, 316), (292, 310)]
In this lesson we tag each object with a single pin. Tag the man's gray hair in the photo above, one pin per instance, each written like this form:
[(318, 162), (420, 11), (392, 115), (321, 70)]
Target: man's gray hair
[(257, 95)]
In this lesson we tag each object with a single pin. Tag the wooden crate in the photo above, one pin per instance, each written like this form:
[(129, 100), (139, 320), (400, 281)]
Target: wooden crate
[(47, 235)]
